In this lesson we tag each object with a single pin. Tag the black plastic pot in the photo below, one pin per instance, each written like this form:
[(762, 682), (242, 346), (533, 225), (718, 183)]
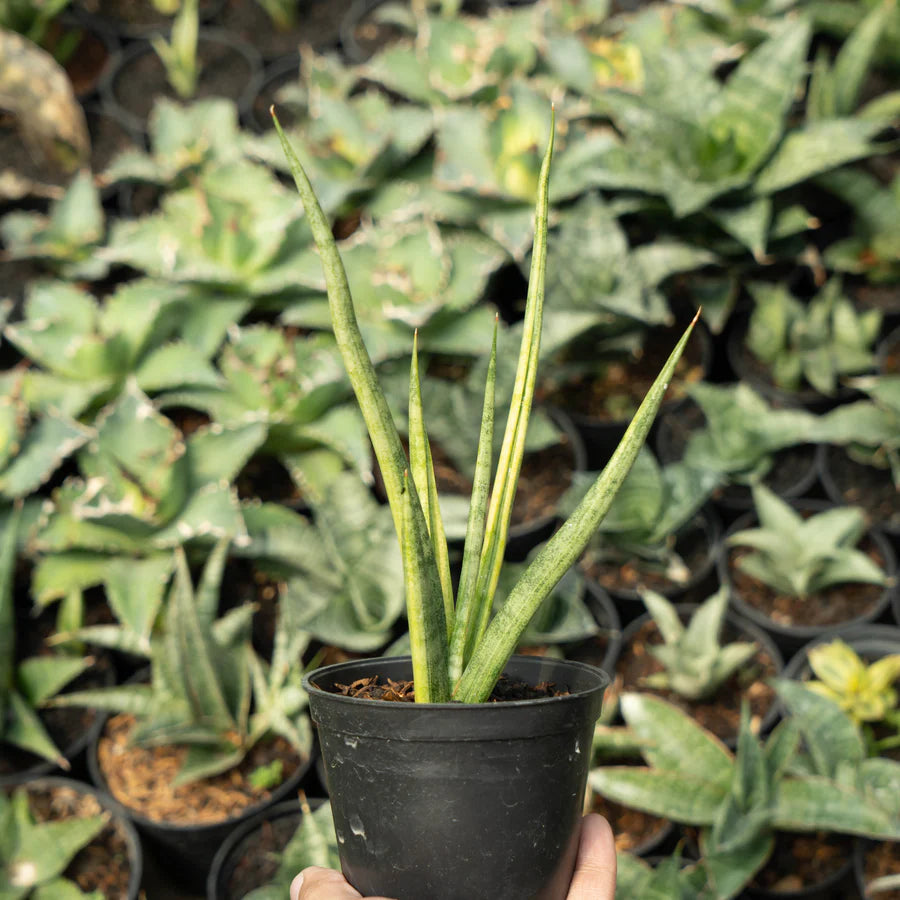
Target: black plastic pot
[(121, 823), (592, 652), (96, 14), (870, 641), (355, 50), (128, 64), (235, 846), (602, 436), (791, 638), (833, 887), (735, 628), (276, 75), (188, 850), (847, 481), (452, 801), (860, 850), (705, 528)]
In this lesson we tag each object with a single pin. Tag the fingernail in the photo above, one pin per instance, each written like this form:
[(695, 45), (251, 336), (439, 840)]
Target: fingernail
[(296, 884)]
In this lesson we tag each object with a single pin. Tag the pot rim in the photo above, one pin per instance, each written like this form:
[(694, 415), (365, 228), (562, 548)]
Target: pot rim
[(468, 709)]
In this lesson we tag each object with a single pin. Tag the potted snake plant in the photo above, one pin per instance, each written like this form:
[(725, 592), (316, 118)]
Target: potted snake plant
[(508, 777)]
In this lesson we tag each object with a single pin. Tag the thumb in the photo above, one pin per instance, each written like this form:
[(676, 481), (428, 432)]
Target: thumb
[(595, 868), (316, 883)]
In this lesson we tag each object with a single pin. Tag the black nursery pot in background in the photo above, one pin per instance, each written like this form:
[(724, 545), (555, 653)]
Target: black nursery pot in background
[(452, 801)]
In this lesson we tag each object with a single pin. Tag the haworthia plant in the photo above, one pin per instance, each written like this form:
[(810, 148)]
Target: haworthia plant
[(457, 650)]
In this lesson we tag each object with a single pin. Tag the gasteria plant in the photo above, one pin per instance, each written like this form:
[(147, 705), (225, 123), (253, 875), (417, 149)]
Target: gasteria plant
[(34, 855), (179, 54), (208, 688), (798, 556), (457, 651), (696, 664)]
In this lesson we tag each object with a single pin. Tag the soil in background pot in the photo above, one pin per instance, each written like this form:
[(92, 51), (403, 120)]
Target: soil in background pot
[(802, 862), (140, 778), (635, 831), (879, 860)]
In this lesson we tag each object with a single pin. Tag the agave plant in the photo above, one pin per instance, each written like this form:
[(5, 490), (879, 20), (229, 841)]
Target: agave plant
[(143, 485), (34, 855), (456, 648), (82, 352), (66, 237), (208, 688), (799, 557)]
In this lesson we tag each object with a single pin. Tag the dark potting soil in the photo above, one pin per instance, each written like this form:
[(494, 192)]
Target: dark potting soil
[(109, 138), (834, 605), (141, 778), (140, 14), (372, 688), (720, 714), (802, 860), (866, 486), (87, 62), (265, 478), (318, 26), (883, 859), (616, 393), (224, 72), (103, 865), (631, 827), (258, 856), (633, 574)]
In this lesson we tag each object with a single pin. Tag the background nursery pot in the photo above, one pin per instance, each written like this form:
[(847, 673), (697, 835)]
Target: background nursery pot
[(416, 789)]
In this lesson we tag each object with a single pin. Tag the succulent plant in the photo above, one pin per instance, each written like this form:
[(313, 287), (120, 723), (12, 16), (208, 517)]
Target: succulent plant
[(32, 448), (66, 237), (870, 429), (800, 556), (208, 688), (873, 248), (455, 645), (312, 844), (296, 390), (145, 487), (235, 227), (653, 504), (82, 351), (815, 343), (740, 799), (25, 685), (179, 53), (695, 664), (742, 432), (673, 878), (34, 855), (184, 139), (866, 692)]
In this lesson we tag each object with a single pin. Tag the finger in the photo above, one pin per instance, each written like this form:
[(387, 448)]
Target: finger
[(316, 883), (595, 868)]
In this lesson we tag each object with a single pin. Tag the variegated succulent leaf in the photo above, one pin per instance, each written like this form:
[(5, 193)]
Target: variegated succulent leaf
[(800, 556)]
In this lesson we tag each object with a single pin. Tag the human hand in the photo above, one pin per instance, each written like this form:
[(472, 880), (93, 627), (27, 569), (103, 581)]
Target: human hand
[(594, 878)]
